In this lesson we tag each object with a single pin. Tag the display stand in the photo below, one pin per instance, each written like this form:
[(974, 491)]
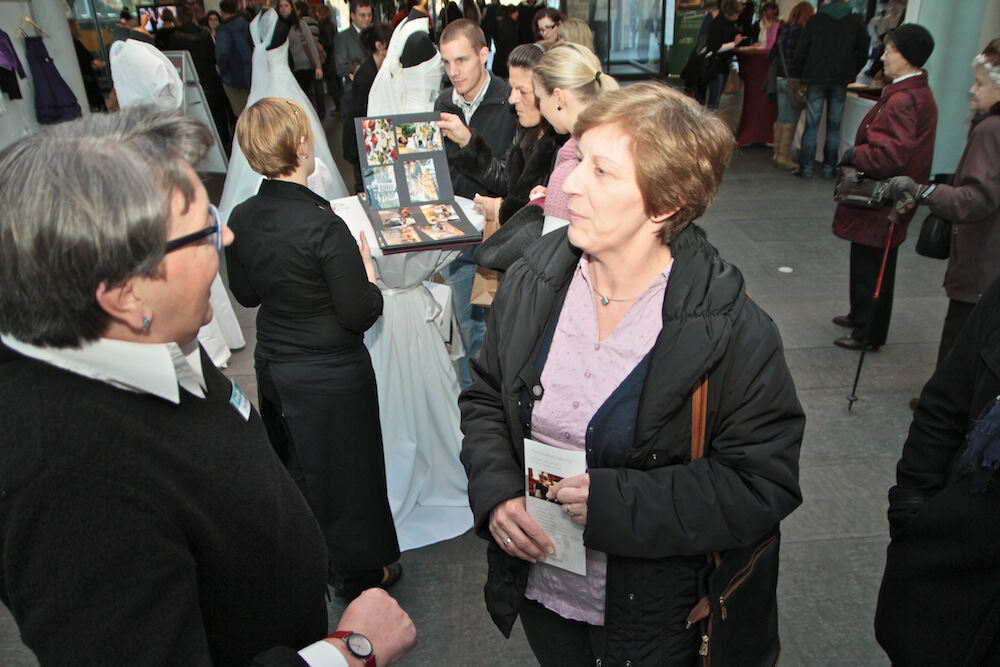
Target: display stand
[(196, 105)]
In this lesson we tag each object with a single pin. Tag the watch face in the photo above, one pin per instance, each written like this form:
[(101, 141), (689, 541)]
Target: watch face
[(359, 645)]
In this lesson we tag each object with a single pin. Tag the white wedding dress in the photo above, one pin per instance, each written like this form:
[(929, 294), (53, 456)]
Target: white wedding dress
[(272, 78)]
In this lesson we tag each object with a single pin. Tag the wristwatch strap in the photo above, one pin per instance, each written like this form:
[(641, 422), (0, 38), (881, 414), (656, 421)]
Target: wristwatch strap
[(343, 634)]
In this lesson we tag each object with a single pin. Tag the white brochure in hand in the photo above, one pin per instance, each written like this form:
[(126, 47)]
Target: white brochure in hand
[(544, 465)]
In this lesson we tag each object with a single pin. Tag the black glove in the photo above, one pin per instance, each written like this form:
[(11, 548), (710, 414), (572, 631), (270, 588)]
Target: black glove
[(847, 157)]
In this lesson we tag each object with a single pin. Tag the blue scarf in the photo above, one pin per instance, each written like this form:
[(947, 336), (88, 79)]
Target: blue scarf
[(982, 456)]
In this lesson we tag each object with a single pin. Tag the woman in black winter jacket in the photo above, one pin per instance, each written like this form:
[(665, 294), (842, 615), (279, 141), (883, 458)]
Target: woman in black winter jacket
[(596, 342)]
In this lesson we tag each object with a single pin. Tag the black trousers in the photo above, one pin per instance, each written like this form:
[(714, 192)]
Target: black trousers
[(958, 313), (872, 317), (321, 415), (558, 641)]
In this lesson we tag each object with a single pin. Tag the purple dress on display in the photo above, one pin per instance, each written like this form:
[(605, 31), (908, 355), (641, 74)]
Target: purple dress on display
[(54, 101)]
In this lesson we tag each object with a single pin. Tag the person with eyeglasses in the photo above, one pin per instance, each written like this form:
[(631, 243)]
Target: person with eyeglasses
[(545, 22), (317, 292), (145, 519)]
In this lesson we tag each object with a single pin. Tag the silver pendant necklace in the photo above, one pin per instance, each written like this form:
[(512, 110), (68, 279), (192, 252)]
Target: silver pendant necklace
[(605, 300)]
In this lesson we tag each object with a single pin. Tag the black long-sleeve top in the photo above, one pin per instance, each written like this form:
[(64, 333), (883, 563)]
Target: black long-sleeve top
[(297, 260)]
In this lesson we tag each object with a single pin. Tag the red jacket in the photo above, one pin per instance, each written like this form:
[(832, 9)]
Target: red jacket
[(896, 138)]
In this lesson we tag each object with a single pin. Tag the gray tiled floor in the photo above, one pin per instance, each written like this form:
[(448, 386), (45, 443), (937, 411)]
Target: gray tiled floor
[(834, 544)]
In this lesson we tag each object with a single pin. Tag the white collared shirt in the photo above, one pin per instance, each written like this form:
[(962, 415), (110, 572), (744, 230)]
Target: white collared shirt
[(157, 369), (469, 108), (907, 76)]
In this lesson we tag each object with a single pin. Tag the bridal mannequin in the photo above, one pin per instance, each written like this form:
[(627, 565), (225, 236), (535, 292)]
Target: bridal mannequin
[(273, 78)]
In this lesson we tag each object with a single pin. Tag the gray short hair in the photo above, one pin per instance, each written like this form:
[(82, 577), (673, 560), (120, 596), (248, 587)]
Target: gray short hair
[(84, 203)]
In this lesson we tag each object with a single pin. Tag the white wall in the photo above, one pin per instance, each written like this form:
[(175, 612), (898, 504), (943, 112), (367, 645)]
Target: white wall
[(19, 118)]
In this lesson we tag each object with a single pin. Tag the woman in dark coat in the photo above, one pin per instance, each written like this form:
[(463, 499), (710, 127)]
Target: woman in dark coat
[(896, 137), (971, 203), (723, 37), (529, 159), (317, 295), (939, 603), (596, 341)]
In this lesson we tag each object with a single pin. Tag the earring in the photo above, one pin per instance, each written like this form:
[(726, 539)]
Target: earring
[(558, 108), (145, 324)]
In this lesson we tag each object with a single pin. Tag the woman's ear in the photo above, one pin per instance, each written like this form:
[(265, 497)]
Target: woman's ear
[(123, 304), (665, 215)]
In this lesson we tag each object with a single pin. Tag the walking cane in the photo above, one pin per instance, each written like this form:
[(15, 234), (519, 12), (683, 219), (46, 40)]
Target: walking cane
[(899, 208)]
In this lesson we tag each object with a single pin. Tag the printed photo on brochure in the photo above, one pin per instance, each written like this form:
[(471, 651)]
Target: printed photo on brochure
[(544, 465), (418, 137), (379, 140)]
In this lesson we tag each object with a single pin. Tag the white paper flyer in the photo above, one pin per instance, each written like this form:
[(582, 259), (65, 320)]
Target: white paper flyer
[(544, 465)]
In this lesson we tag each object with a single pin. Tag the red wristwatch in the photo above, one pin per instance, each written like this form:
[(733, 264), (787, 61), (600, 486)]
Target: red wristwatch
[(358, 645)]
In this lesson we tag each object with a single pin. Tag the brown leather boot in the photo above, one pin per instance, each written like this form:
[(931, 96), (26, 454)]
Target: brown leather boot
[(787, 133)]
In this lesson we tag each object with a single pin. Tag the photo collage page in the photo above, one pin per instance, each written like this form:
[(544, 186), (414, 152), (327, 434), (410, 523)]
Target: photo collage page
[(408, 191)]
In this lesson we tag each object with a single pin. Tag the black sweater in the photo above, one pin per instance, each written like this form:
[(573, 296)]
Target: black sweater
[(138, 532), (494, 120), (296, 259)]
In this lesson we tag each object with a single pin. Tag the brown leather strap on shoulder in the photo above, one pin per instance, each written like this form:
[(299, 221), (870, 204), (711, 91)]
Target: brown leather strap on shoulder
[(699, 408)]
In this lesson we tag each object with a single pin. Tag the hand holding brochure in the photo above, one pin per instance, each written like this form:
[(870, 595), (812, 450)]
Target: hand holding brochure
[(544, 465), (408, 192)]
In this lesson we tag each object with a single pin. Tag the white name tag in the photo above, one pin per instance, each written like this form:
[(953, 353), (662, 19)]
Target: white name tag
[(239, 401)]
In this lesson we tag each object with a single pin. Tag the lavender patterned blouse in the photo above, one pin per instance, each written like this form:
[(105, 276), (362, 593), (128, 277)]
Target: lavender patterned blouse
[(581, 372)]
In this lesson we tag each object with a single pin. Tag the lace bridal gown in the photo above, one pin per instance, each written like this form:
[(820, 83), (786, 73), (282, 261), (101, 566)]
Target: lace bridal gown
[(272, 78)]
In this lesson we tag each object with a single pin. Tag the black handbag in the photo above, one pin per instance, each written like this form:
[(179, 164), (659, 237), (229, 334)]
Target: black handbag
[(737, 610), (506, 245), (853, 188), (935, 237)]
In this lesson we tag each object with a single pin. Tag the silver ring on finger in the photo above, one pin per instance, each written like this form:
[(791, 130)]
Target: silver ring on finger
[(508, 541), (569, 511)]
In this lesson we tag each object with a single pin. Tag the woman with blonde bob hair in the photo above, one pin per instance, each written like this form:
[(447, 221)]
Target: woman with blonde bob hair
[(599, 340), (567, 79), (296, 259)]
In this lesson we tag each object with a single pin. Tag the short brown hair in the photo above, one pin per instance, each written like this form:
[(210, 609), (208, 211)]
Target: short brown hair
[(269, 133), (680, 149), (464, 28)]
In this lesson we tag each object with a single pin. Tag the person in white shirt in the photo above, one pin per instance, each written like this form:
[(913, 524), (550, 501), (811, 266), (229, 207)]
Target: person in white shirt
[(146, 519)]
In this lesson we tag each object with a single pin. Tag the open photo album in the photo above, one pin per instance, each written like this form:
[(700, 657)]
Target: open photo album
[(408, 193)]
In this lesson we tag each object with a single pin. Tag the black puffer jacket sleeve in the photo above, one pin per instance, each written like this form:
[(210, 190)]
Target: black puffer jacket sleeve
[(748, 480)]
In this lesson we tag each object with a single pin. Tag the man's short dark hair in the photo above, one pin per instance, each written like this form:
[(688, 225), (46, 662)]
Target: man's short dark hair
[(185, 14), (228, 6), (464, 28), (355, 4)]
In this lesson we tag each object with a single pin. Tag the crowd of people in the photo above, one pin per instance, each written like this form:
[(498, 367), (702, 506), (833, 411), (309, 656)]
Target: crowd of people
[(142, 487)]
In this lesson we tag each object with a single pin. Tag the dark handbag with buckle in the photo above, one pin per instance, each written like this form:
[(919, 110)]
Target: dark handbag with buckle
[(935, 237), (737, 610), (506, 245), (853, 188)]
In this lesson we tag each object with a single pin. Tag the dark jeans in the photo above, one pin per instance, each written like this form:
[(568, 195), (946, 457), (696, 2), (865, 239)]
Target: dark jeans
[(558, 641), (872, 317), (834, 96), (715, 87), (958, 313)]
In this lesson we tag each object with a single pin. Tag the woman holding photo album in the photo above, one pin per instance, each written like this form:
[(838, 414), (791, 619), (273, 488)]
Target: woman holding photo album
[(596, 343)]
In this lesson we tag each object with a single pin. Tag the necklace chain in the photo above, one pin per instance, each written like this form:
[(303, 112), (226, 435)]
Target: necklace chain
[(605, 300)]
